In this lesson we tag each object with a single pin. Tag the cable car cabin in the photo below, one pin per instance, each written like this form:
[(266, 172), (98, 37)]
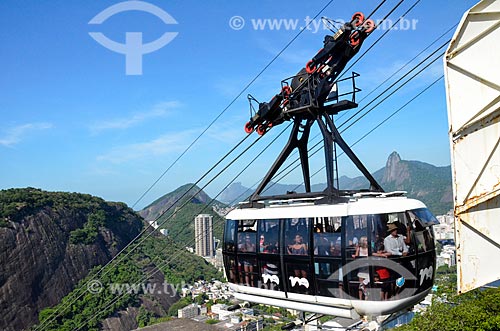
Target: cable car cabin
[(372, 255)]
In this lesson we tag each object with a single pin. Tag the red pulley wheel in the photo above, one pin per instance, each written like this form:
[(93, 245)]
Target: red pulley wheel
[(287, 90), (355, 39), (310, 69), (261, 130), (359, 17), (369, 26), (248, 128)]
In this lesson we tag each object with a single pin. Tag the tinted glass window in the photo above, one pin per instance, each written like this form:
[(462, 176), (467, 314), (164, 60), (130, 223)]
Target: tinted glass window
[(231, 270), (230, 236), (297, 236), (398, 240), (378, 234), (425, 217), (247, 236), (356, 236), (327, 236), (424, 240), (268, 235), (299, 278), (248, 271)]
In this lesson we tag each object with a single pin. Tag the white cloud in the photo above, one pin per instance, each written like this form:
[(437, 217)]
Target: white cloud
[(159, 110), (18, 133), (165, 144)]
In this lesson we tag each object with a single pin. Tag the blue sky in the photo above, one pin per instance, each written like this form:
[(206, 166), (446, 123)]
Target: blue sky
[(71, 119)]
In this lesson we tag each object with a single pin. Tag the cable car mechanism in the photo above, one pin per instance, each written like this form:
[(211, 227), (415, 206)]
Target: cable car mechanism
[(335, 252)]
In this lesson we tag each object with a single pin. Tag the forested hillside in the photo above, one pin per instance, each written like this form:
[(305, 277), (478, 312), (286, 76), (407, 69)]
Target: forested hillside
[(51, 243)]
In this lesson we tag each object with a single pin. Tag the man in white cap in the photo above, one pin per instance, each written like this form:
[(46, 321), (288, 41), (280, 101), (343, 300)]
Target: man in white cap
[(394, 243)]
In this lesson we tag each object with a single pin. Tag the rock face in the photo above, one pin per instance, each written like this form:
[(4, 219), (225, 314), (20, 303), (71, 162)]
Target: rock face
[(157, 302), (423, 181), (38, 263), (395, 171)]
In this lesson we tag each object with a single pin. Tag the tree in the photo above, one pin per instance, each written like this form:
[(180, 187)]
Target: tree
[(480, 312)]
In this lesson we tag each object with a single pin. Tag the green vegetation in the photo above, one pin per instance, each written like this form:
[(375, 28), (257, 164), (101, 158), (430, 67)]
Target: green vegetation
[(179, 305), (145, 317), (271, 324), (212, 321), (93, 214), (182, 266), (474, 310), (17, 203), (88, 234), (428, 183), (273, 327), (185, 267), (180, 223), (88, 311)]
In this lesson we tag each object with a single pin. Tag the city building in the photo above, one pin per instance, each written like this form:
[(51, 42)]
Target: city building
[(447, 257), (221, 311), (188, 311), (204, 236)]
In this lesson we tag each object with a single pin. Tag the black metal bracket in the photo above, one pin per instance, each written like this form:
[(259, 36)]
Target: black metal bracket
[(304, 118)]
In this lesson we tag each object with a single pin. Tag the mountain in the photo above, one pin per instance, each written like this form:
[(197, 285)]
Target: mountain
[(428, 183), (42, 238), (179, 196), (51, 243), (180, 221), (234, 192)]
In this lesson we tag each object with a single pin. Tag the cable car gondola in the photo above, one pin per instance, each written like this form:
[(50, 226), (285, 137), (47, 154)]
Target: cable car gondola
[(309, 257), (342, 253)]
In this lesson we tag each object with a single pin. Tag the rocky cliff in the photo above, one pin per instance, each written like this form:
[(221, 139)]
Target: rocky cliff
[(47, 246)]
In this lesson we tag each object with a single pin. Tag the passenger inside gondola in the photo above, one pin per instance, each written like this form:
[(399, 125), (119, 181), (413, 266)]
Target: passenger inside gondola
[(246, 242), (378, 247), (361, 248), (321, 242), (298, 247), (268, 236), (395, 243), (268, 245), (364, 282), (382, 280), (336, 248)]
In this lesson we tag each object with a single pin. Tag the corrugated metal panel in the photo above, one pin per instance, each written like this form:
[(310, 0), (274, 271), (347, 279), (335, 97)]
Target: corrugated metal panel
[(472, 70)]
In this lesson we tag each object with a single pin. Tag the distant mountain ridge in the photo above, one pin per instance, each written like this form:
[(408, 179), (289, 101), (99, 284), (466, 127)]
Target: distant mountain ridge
[(160, 205), (179, 221), (428, 183)]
